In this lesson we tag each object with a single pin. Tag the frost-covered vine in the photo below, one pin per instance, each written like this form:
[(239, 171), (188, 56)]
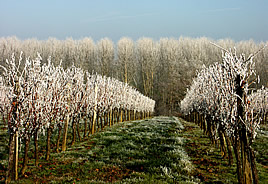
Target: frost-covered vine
[(214, 93), (223, 94), (36, 97)]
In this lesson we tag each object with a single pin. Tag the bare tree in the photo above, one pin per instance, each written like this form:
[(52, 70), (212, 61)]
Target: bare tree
[(126, 56), (105, 53), (148, 55)]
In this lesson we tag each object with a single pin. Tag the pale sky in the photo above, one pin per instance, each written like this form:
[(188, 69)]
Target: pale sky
[(216, 19)]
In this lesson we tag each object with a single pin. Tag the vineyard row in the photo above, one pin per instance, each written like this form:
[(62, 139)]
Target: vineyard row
[(37, 98), (224, 101)]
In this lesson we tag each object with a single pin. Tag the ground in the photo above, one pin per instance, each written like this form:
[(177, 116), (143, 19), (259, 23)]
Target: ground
[(158, 150)]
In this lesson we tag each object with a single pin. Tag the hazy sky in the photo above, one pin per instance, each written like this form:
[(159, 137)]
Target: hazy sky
[(235, 19)]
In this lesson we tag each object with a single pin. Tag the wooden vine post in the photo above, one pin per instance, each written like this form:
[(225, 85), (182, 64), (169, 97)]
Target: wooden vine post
[(110, 116), (121, 115), (134, 114)]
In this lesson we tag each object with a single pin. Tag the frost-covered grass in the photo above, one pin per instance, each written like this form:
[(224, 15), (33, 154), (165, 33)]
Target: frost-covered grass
[(145, 147), (147, 151)]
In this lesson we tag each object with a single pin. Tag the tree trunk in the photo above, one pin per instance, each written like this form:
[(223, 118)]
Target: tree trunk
[(117, 116), (36, 152), (254, 167), (90, 125), (78, 129), (204, 124), (222, 142), (85, 128), (236, 148), (208, 126), (48, 148), (74, 130), (247, 162), (10, 170), (105, 120), (98, 122), (246, 165), (58, 139), (107, 115), (26, 158), (102, 121), (229, 149)]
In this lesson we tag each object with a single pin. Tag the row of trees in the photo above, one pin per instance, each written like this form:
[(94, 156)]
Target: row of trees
[(161, 69), (222, 102), (41, 98)]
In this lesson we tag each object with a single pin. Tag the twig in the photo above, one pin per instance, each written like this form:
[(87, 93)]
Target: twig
[(219, 47), (256, 53)]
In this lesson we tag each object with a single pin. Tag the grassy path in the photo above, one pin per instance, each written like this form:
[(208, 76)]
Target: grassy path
[(147, 151)]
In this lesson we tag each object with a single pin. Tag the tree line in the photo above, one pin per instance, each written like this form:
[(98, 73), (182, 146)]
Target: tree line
[(161, 69)]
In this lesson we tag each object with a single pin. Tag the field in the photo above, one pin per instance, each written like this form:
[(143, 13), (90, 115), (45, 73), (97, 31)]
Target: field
[(158, 150)]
